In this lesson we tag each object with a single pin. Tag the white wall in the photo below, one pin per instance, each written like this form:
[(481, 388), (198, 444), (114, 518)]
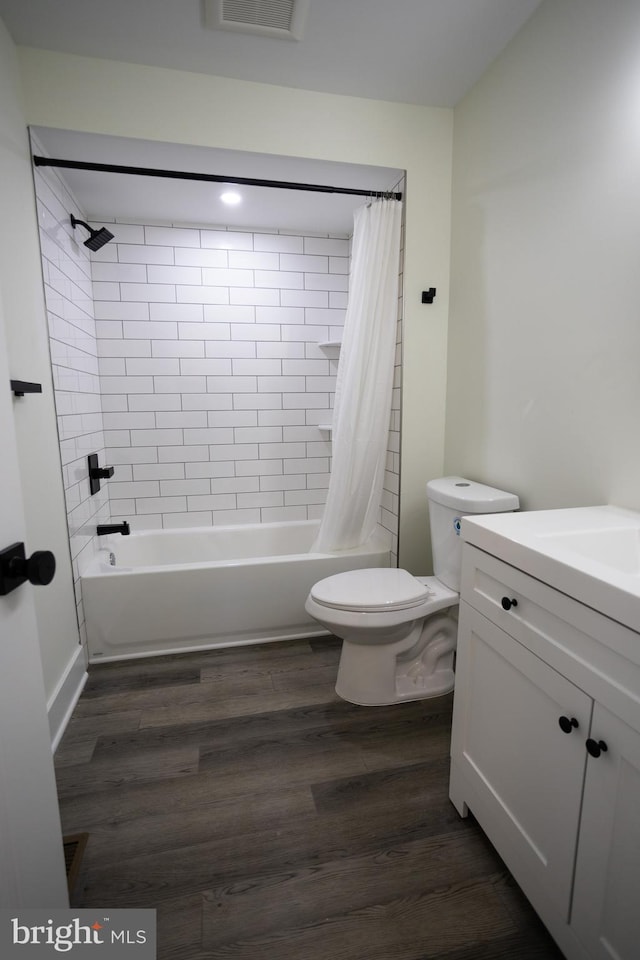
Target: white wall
[(28, 355), (544, 353), (78, 93)]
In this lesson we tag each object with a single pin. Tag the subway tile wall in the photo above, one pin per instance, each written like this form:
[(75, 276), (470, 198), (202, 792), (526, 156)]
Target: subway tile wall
[(74, 358), (215, 383)]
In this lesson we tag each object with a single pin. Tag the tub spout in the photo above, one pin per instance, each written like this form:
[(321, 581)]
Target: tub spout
[(104, 528)]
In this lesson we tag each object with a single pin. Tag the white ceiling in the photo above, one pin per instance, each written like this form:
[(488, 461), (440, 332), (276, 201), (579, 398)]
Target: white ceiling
[(426, 52)]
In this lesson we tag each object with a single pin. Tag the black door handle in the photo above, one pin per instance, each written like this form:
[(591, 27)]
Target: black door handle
[(16, 568), (507, 603)]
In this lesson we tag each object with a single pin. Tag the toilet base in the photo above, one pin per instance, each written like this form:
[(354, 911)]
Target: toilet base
[(417, 667), (420, 688), (406, 690)]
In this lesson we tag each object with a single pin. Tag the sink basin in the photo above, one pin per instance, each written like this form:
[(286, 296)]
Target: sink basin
[(590, 553), (618, 549)]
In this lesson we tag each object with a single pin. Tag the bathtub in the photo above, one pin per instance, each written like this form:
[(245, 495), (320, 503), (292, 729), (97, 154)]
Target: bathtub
[(173, 591)]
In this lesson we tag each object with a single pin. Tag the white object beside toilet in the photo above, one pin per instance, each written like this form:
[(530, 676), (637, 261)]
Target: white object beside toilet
[(399, 632)]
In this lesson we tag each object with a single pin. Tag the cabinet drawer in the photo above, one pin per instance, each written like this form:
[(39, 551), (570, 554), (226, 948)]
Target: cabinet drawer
[(590, 649)]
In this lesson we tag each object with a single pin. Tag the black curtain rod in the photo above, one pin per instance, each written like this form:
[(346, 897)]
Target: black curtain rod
[(211, 177)]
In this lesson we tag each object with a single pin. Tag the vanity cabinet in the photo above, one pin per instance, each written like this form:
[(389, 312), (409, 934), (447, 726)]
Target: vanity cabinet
[(546, 751)]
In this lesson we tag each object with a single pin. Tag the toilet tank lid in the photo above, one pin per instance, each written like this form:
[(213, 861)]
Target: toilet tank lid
[(467, 496)]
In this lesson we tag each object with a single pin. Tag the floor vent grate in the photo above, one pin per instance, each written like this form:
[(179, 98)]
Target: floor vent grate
[(73, 852)]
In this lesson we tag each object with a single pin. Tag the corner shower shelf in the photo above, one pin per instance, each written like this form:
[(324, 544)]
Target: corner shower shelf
[(328, 345)]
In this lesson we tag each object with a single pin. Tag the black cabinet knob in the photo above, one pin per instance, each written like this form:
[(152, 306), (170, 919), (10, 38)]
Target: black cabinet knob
[(567, 725), (596, 747), (508, 602)]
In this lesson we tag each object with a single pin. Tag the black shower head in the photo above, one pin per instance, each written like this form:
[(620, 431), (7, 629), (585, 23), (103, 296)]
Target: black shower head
[(97, 238)]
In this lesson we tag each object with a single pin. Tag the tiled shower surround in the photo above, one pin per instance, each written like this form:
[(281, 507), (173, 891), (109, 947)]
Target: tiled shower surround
[(214, 380), (204, 366)]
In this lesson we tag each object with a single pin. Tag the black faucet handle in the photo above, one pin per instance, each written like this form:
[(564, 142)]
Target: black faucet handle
[(97, 473), (102, 473)]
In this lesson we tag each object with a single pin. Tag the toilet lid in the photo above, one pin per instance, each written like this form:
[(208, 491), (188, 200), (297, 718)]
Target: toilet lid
[(376, 588)]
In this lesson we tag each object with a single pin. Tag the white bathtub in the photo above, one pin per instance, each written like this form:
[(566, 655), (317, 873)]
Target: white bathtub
[(172, 591)]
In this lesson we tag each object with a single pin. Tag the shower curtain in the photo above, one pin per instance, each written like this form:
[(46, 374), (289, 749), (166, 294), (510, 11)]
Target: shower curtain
[(365, 380)]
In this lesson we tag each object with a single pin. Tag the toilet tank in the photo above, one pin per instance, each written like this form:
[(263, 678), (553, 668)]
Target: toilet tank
[(449, 499)]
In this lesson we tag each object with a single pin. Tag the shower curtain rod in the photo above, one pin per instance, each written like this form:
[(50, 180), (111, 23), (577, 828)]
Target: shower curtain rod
[(210, 177)]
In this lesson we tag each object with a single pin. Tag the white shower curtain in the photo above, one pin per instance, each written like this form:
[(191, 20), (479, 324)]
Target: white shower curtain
[(365, 380)]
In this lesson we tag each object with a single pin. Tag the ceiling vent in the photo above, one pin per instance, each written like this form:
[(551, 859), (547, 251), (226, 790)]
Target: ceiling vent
[(268, 18)]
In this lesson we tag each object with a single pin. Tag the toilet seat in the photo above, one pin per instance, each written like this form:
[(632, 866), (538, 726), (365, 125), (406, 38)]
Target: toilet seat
[(379, 589)]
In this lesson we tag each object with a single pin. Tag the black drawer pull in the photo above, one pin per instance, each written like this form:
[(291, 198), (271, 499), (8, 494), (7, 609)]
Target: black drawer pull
[(596, 747), (508, 602), (567, 725)]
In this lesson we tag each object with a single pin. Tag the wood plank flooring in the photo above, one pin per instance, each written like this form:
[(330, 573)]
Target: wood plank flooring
[(266, 819)]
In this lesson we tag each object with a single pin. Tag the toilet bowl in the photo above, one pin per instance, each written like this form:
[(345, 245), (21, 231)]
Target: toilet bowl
[(399, 631), (398, 634)]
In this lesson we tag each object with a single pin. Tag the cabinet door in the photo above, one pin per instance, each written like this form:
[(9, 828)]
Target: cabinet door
[(513, 766), (606, 906)]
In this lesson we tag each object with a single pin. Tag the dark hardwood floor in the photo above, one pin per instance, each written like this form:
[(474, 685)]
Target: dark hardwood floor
[(266, 819)]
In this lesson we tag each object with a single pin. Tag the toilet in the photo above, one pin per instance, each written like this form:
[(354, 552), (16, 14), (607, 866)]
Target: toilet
[(399, 631)]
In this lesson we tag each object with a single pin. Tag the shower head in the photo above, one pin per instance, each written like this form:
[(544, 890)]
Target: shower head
[(97, 238)]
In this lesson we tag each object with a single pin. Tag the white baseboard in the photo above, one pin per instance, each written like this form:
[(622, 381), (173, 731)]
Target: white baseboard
[(66, 695)]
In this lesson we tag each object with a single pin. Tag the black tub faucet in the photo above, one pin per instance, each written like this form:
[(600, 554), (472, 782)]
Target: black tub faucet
[(104, 528)]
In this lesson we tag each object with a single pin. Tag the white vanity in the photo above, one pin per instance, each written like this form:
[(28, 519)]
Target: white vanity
[(546, 726)]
